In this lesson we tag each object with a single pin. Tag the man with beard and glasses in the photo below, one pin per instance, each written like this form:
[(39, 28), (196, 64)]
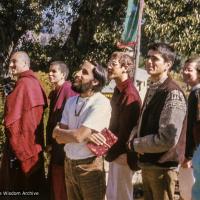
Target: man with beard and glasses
[(83, 115)]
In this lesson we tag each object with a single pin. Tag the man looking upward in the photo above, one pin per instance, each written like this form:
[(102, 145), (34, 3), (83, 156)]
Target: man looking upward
[(84, 114)]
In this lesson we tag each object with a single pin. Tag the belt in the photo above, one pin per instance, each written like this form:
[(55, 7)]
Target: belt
[(80, 161)]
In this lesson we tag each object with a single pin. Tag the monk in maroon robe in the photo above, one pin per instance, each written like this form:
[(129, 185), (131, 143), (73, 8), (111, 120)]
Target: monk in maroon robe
[(22, 167), (58, 72)]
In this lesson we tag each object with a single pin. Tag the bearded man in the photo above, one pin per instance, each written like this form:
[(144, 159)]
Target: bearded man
[(82, 116)]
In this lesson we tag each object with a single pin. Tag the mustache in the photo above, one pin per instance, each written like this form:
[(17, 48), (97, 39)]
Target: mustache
[(74, 78)]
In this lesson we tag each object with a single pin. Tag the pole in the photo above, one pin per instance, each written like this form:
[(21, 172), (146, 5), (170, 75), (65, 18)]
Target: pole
[(137, 49)]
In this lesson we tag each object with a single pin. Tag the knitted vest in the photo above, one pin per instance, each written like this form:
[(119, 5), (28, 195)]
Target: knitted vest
[(150, 124)]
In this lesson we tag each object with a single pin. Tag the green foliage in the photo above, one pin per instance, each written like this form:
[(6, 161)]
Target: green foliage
[(16, 18), (44, 80), (176, 22), (96, 28), (179, 79), (43, 77), (95, 32)]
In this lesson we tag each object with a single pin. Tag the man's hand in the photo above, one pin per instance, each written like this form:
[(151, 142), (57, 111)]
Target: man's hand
[(55, 131), (97, 138), (136, 141), (58, 136), (121, 160)]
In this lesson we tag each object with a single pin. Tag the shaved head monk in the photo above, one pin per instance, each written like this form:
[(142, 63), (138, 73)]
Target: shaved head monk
[(22, 167), (19, 63)]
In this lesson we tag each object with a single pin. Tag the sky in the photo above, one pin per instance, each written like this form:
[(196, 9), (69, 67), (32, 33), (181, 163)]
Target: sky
[(59, 23)]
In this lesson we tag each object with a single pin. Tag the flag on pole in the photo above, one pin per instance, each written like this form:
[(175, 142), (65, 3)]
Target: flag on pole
[(132, 23)]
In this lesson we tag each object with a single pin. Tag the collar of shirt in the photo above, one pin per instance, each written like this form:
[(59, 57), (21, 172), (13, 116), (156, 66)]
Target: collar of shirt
[(196, 87), (123, 85), (26, 73), (155, 85)]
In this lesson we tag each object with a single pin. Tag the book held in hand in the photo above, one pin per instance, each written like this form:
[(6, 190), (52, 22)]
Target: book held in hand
[(100, 150)]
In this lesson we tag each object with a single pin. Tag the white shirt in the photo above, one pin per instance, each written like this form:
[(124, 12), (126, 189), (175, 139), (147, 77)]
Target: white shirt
[(95, 114)]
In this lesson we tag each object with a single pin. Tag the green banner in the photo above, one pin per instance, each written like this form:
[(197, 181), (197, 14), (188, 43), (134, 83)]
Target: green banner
[(129, 35)]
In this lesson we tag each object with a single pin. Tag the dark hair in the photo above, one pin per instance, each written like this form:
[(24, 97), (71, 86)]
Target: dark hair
[(124, 59), (100, 75), (196, 60), (62, 66), (167, 51)]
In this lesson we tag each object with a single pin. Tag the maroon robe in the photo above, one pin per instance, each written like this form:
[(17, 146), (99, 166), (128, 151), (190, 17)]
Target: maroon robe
[(58, 98), (22, 164)]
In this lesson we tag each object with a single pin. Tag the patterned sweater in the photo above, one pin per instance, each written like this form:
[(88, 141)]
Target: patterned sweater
[(154, 142)]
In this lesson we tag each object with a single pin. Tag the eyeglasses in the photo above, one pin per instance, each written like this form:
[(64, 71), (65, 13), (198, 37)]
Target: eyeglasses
[(113, 63)]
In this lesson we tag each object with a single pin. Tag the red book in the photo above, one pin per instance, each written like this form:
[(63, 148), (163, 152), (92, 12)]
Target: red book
[(100, 150)]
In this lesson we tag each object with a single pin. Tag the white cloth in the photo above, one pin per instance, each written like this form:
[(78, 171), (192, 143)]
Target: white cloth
[(186, 181), (95, 114), (119, 185)]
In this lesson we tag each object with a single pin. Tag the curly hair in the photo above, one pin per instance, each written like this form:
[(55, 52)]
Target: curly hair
[(125, 60)]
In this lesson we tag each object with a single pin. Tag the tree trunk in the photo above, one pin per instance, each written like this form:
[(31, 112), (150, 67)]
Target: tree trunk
[(92, 13)]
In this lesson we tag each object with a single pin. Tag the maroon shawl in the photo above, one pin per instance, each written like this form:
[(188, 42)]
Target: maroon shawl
[(24, 119), (58, 98)]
